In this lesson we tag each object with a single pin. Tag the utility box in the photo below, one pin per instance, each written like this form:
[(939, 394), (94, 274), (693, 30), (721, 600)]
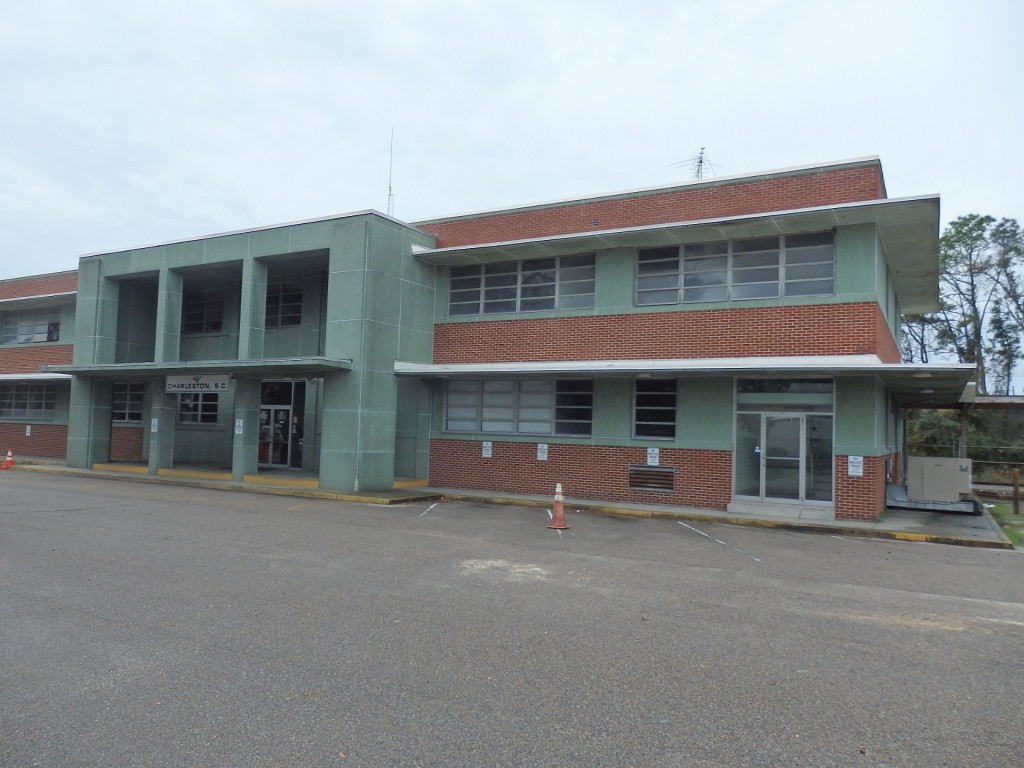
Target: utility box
[(933, 479)]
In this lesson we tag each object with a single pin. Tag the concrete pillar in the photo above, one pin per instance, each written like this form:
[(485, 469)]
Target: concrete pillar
[(252, 310), (245, 443), (163, 415), (89, 422), (168, 317)]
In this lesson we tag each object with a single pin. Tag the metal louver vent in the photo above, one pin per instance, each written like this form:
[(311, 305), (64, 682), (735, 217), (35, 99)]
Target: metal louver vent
[(644, 478)]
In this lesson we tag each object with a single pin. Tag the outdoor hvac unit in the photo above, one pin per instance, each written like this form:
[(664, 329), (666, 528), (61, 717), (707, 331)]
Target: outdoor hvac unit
[(931, 479)]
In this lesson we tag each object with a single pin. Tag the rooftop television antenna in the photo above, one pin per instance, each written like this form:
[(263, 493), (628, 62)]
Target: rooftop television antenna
[(701, 166)]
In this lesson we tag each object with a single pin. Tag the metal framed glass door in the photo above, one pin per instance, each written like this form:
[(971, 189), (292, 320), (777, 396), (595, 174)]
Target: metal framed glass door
[(275, 435), (783, 457)]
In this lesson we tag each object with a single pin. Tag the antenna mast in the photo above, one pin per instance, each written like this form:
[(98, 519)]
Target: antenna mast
[(391, 164), (700, 165)]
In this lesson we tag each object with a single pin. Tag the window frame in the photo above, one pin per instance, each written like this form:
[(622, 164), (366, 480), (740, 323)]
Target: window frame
[(37, 326), (653, 403), (198, 409), (534, 407), (121, 410), (512, 287), (282, 296), (202, 311), (37, 401), (743, 269)]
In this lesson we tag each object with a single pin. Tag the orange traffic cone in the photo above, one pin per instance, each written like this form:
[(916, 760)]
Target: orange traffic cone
[(10, 459), (558, 513)]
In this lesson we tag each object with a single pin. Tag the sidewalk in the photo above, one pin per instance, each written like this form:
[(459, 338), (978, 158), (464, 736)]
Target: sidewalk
[(897, 524)]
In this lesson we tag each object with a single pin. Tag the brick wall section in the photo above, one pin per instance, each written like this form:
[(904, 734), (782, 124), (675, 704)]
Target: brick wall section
[(888, 352), (704, 201), (126, 443), (27, 358), (860, 498), (703, 478), (825, 329), (49, 440), (38, 285)]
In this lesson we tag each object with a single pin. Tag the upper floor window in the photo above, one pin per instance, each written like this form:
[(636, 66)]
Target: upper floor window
[(127, 401), (525, 406), (198, 408), (754, 268), (32, 325), (203, 311), (565, 282), (284, 304), (27, 401), (654, 408)]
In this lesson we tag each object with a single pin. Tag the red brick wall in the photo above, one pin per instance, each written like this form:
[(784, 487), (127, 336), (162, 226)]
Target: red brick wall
[(693, 202), (860, 498), (824, 329), (888, 352), (38, 285), (126, 443), (27, 358), (50, 440), (703, 478)]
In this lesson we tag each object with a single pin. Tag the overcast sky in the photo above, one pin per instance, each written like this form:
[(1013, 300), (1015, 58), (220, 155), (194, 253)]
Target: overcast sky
[(129, 122)]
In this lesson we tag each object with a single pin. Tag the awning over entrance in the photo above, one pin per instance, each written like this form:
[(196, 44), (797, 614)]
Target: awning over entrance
[(929, 385), (281, 367)]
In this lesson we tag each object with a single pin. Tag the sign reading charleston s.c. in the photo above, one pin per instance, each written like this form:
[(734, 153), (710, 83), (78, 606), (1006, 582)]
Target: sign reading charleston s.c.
[(198, 383)]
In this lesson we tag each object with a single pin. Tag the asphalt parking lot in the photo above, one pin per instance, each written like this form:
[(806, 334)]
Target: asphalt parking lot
[(145, 625)]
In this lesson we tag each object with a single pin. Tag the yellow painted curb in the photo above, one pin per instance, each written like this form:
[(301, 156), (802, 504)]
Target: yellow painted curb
[(304, 482), (408, 482), (138, 469)]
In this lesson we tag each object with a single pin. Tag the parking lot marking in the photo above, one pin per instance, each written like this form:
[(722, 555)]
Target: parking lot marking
[(685, 525)]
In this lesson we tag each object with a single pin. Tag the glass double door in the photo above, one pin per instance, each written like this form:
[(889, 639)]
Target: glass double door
[(784, 456), (281, 418)]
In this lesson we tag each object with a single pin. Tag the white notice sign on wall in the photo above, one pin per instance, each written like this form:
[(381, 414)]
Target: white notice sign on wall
[(542, 451), (855, 466), (653, 457), (487, 449)]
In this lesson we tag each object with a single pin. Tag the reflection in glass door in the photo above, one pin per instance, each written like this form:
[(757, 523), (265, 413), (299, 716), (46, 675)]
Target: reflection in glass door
[(786, 457)]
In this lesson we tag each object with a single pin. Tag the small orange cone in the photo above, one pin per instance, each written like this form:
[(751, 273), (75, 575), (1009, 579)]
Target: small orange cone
[(10, 459), (558, 513)]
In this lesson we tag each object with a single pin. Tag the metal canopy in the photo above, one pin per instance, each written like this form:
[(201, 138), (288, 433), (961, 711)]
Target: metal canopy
[(908, 227), (280, 367), (914, 385)]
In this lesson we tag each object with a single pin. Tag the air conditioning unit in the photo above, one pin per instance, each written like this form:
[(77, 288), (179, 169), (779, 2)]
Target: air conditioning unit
[(934, 479)]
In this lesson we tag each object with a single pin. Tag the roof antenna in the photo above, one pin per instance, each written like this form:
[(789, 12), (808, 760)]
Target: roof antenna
[(391, 163), (700, 165)]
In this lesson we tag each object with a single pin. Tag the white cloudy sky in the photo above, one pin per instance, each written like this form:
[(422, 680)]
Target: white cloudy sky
[(129, 122)]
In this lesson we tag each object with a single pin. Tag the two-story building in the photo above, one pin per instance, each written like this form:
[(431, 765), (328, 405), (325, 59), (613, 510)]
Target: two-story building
[(722, 344)]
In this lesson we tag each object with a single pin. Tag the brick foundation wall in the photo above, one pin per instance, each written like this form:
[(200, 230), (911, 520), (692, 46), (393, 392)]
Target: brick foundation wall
[(703, 478), (709, 200), (825, 329), (49, 440), (126, 443), (27, 358), (38, 285), (860, 498)]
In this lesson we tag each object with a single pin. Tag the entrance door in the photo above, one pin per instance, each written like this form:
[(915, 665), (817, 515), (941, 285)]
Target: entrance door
[(784, 457), (275, 435)]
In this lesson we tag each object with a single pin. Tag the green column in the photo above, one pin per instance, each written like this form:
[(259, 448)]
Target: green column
[(340, 432), (161, 429), (244, 443), (253, 310), (89, 422), (168, 316)]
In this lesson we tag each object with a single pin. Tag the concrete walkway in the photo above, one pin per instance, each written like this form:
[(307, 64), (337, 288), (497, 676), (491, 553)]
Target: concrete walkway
[(904, 525)]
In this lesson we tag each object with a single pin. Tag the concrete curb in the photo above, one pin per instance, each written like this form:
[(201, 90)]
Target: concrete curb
[(402, 496)]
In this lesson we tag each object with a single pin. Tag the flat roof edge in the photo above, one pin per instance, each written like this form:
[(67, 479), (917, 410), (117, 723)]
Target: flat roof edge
[(788, 171)]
